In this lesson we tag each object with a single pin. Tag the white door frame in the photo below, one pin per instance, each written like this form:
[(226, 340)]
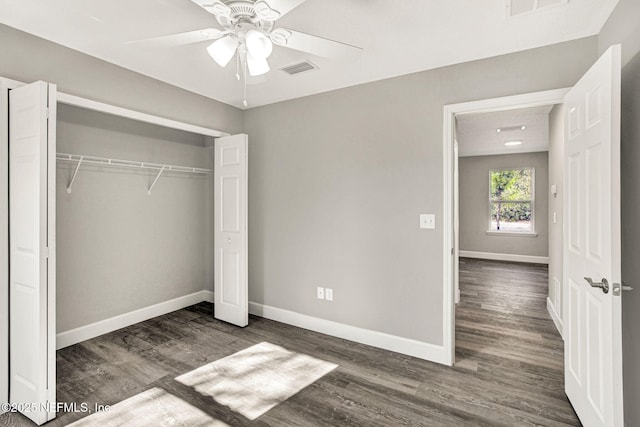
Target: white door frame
[(450, 257), (5, 85)]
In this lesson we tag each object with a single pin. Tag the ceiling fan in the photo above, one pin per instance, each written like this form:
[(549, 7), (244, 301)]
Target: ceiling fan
[(249, 30)]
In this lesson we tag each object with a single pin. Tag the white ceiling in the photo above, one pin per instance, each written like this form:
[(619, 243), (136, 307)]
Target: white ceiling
[(477, 134), (397, 37)]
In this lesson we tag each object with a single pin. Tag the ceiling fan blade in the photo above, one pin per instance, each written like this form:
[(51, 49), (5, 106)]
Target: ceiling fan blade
[(282, 6), (214, 7), (313, 44), (182, 38)]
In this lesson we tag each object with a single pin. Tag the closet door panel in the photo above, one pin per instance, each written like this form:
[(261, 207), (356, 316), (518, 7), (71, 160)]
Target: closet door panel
[(31, 295)]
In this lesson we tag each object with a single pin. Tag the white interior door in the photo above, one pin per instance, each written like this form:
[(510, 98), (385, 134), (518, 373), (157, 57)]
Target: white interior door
[(32, 250), (592, 328), (231, 243)]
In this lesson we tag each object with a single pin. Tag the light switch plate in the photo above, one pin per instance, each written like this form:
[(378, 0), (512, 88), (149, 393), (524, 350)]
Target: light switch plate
[(428, 221)]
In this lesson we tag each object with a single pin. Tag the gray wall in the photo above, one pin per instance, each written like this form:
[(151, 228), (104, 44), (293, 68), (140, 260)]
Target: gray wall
[(556, 176), (474, 205), (624, 27), (337, 181), (28, 58), (118, 248)]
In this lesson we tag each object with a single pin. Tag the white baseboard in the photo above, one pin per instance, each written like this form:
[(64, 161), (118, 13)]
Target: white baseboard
[(505, 257), (402, 345), (208, 296), (554, 316), (83, 333)]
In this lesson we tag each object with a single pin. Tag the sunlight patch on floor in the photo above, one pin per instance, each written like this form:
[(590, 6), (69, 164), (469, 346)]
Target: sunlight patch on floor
[(154, 407), (254, 380)]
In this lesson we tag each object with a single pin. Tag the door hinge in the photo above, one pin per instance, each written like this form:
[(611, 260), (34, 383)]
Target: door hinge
[(46, 252), (47, 112)]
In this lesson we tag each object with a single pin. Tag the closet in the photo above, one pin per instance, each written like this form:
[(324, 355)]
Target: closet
[(114, 216)]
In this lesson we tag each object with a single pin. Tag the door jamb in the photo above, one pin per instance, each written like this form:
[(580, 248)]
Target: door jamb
[(534, 99), (5, 85)]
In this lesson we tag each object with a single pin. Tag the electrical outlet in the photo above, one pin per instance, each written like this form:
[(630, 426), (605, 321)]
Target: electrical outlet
[(328, 293), (320, 292)]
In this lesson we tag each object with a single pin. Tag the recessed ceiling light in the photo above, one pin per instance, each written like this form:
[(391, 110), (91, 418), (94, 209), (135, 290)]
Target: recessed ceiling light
[(512, 143), (511, 128)]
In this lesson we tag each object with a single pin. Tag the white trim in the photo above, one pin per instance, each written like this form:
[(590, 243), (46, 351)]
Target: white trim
[(535, 99), (208, 296), (136, 115), (4, 243), (83, 333), (502, 152), (89, 104), (395, 343), (11, 84), (554, 316), (511, 233), (505, 257)]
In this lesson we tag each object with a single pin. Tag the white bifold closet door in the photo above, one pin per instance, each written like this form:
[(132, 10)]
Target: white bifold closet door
[(231, 243), (32, 154)]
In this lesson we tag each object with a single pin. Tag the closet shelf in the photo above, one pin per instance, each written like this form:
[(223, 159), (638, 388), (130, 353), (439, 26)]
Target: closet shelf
[(103, 161)]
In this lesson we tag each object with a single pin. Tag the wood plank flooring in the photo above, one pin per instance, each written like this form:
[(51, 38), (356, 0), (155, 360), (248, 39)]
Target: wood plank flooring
[(508, 364)]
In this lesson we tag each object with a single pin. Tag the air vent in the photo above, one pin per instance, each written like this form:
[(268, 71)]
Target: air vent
[(521, 7), (300, 67)]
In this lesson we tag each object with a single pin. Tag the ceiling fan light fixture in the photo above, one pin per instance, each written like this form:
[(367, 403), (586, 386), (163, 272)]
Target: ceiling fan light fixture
[(258, 45), (222, 50), (257, 66)]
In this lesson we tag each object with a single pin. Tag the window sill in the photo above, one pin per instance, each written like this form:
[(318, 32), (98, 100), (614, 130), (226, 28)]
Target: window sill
[(512, 233)]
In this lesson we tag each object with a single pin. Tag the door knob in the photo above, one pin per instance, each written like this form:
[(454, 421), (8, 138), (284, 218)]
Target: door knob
[(229, 240), (604, 284)]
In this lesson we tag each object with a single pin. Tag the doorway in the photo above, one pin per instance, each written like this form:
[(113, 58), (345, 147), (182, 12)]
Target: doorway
[(451, 192), (591, 283)]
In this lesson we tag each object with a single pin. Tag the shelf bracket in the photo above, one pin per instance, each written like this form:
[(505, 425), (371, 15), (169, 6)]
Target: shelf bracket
[(75, 173), (156, 180)]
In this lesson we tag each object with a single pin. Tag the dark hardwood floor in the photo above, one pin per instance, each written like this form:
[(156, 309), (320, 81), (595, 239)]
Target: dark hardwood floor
[(508, 364)]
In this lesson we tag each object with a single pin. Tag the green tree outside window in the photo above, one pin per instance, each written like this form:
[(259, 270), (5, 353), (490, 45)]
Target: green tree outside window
[(510, 198)]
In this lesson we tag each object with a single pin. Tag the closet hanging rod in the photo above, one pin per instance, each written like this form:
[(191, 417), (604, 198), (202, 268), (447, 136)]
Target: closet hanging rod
[(103, 161), (134, 164)]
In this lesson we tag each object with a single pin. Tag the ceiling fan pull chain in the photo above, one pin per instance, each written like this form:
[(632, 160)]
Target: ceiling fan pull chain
[(238, 66), (244, 102)]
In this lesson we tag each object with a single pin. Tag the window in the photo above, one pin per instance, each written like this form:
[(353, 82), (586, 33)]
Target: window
[(511, 200)]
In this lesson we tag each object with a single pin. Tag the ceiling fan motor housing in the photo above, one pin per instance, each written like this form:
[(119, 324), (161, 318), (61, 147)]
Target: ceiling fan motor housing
[(243, 16)]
